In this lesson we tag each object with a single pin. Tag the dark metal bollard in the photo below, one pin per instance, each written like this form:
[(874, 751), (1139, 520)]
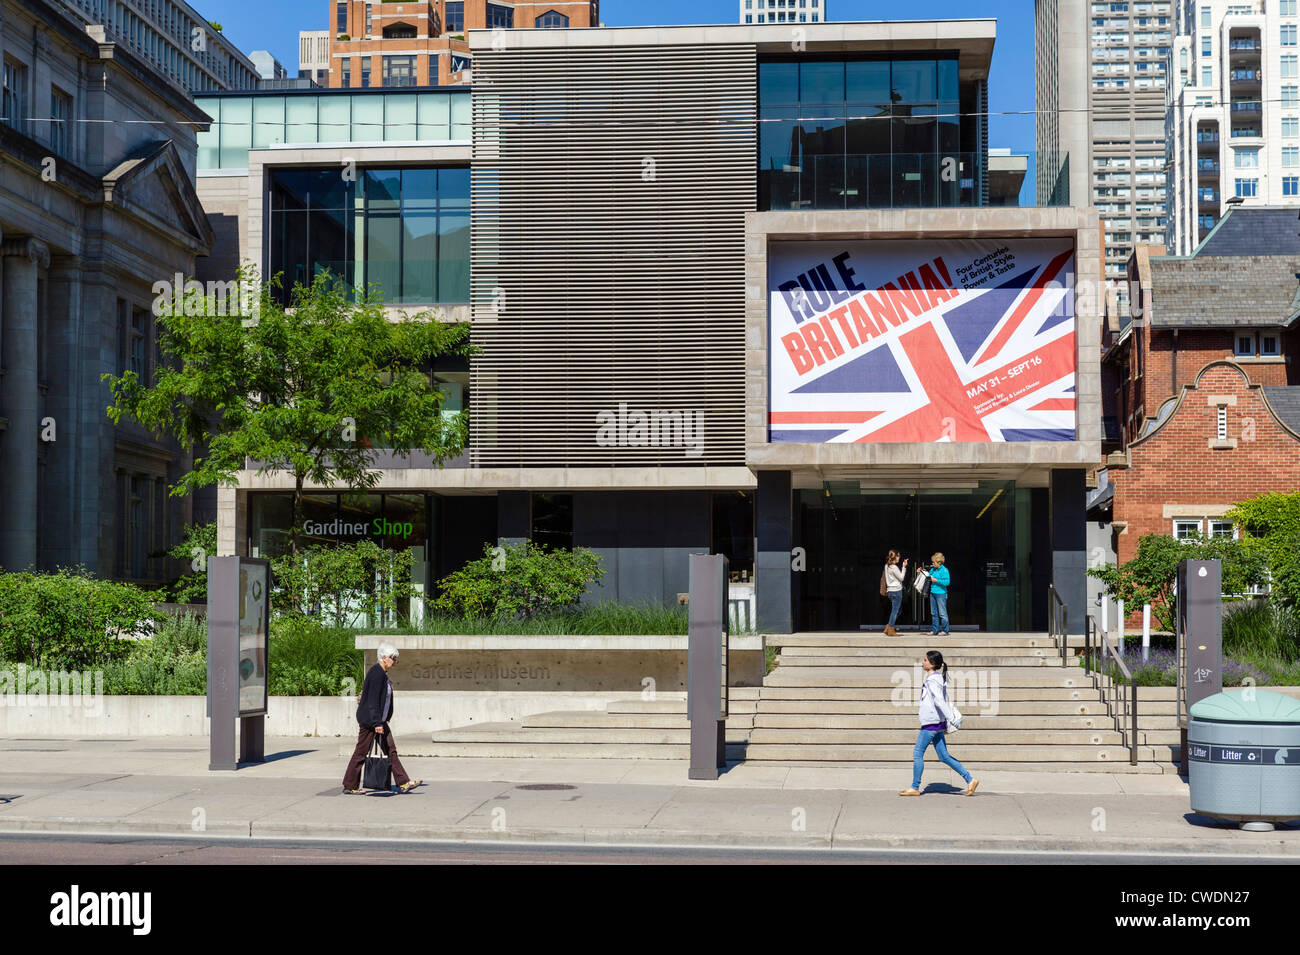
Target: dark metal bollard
[(706, 665)]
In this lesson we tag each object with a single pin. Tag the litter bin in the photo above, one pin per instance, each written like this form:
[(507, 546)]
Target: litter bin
[(1243, 749)]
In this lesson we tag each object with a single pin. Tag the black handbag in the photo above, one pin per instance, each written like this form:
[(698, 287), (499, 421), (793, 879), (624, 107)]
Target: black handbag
[(378, 773)]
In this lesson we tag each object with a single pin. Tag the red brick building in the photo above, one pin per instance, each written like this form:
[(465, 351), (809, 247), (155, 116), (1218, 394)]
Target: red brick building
[(1199, 386), (423, 43)]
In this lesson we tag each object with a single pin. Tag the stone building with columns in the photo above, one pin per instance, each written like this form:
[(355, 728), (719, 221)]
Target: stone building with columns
[(97, 204)]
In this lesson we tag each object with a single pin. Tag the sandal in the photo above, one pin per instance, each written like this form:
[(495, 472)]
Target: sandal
[(910, 792), (410, 784)]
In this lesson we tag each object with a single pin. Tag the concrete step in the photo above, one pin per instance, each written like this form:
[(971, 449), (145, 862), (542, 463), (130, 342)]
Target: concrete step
[(868, 658), (877, 693), (737, 707), (851, 676), (597, 720), (934, 767), (909, 722), (889, 648), (883, 707), (973, 756), (921, 641), (1016, 739), (532, 750)]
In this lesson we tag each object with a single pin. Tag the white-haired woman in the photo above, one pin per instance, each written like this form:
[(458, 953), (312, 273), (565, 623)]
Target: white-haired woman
[(373, 713)]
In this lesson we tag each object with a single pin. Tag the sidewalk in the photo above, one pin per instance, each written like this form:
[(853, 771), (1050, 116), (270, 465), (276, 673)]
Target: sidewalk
[(161, 786)]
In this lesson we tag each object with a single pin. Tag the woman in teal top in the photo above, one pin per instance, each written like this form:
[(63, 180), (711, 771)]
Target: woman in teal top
[(939, 580)]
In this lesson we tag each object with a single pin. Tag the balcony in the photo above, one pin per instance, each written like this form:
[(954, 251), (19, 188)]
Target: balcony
[(1207, 142), (1246, 132), (1246, 108), (1208, 199), (1206, 168), (1243, 46), (1246, 77)]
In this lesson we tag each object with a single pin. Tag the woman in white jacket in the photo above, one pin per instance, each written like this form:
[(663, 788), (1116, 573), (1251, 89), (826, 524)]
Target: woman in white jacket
[(935, 714), (894, 574)]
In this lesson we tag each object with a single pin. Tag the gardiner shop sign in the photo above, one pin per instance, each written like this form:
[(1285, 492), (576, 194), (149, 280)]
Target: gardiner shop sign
[(919, 340), (377, 528)]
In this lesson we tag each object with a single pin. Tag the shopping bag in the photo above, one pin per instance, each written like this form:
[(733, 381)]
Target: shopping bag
[(378, 773)]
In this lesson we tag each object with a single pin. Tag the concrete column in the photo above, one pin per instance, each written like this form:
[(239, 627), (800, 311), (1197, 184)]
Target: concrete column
[(773, 578), (60, 517), (1069, 535), (21, 401), (514, 517)]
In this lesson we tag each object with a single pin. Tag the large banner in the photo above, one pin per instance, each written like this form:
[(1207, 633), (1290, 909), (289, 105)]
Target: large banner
[(922, 340)]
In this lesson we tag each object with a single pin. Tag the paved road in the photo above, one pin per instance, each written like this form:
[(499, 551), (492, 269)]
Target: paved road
[(79, 850)]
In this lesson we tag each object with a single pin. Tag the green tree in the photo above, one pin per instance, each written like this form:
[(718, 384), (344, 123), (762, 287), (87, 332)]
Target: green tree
[(1270, 527), (519, 580), (342, 581), (198, 544), (312, 390), (1149, 577)]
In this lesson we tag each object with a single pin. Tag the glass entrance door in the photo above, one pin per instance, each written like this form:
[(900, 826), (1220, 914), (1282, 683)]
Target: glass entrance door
[(846, 531)]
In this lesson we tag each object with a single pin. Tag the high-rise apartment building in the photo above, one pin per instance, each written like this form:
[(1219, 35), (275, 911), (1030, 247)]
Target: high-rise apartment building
[(1100, 74), (1233, 119), (782, 11), (172, 37), (314, 56), (423, 43), (1130, 44)]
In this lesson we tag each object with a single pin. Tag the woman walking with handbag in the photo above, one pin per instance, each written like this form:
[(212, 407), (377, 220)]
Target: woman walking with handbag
[(937, 716), (891, 583), (374, 710)]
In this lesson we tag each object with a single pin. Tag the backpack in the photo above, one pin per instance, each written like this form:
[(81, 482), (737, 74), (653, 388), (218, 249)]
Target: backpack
[(884, 588)]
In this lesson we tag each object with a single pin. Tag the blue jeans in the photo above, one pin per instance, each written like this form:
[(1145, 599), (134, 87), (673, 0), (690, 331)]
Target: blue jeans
[(895, 601), (938, 613), (923, 741)]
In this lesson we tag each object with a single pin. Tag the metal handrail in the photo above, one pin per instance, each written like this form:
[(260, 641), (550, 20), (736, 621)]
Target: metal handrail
[(1096, 644), (1058, 615)]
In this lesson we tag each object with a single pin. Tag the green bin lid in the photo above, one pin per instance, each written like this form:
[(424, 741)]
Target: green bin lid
[(1236, 706)]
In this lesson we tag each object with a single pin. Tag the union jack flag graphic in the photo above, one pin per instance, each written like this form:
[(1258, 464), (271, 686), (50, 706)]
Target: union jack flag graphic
[(954, 340)]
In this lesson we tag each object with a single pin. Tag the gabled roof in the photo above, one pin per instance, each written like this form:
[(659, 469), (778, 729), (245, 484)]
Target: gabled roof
[(1285, 402), (1254, 230), (151, 182), (1228, 291)]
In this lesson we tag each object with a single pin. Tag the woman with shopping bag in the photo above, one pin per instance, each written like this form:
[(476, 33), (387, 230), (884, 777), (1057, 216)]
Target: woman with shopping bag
[(375, 743)]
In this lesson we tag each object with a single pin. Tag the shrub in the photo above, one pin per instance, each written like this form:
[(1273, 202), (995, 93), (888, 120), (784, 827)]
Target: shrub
[(198, 544), (1262, 629), (173, 663), (69, 619), (519, 581), (1271, 528), (311, 659), (341, 582)]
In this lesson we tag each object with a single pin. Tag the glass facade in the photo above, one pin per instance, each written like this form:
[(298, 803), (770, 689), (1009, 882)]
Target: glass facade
[(837, 134), (402, 231), (245, 122)]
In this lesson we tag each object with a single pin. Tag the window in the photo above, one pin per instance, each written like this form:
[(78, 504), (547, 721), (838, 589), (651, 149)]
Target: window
[(1291, 96), (1269, 345), (1290, 126), (1207, 76), (1187, 529), (1288, 34), (399, 31), (399, 71), (1286, 8), (1222, 528), (1291, 185), (368, 20), (499, 17), (1243, 345), (1291, 155), (365, 72), (456, 16), (1245, 158), (405, 231), (347, 71), (552, 20), (60, 121), (814, 18), (341, 18), (15, 95), (1206, 12), (1221, 423), (1205, 46), (749, 18), (1247, 188)]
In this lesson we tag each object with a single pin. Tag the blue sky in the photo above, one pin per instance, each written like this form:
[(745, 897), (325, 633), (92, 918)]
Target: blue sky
[(274, 26)]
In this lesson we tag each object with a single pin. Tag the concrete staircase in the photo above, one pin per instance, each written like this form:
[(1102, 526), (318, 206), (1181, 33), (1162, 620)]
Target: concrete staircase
[(849, 699)]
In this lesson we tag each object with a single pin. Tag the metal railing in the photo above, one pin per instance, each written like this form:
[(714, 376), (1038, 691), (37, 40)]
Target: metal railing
[(1058, 617), (1096, 647)]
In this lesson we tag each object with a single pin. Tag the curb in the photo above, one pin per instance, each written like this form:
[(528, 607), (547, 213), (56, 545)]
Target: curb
[(1256, 845)]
